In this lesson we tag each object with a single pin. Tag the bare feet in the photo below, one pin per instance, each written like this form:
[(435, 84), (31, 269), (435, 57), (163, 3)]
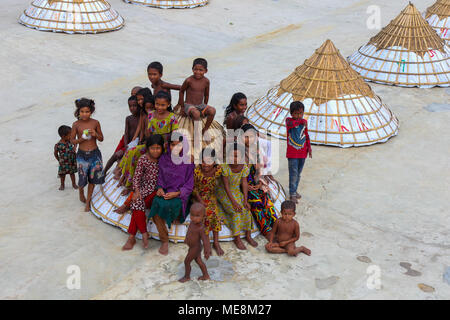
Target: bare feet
[(145, 240), (122, 209), (61, 187), (74, 186), (184, 279), (88, 207), (204, 277), (251, 242), (82, 198), (164, 250), (130, 243), (305, 250), (238, 242), (218, 249), (125, 192)]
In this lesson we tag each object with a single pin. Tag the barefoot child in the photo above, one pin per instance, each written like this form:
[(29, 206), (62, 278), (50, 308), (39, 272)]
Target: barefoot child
[(205, 182), (144, 185), (233, 203), (154, 73), (197, 94), (131, 124), (286, 232), (194, 238), (298, 146), (64, 152), (85, 132)]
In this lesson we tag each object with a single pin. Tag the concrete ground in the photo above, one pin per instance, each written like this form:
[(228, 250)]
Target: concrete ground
[(377, 212)]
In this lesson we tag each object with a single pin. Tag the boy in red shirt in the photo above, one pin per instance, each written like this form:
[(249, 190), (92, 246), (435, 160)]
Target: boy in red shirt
[(298, 146)]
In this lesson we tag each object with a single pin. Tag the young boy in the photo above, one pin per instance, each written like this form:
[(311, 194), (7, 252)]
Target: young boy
[(194, 237), (155, 72), (85, 132), (197, 94), (131, 124), (64, 152), (298, 146), (285, 232)]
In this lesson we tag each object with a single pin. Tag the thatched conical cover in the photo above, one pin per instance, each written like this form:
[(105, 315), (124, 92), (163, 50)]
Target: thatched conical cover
[(166, 4), (438, 16), (71, 16), (407, 52), (341, 109)]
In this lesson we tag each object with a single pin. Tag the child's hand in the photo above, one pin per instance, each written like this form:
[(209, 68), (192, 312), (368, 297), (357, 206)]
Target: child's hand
[(247, 206), (207, 254), (160, 192), (236, 206), (136, 196), (283, 243), (93, 133)]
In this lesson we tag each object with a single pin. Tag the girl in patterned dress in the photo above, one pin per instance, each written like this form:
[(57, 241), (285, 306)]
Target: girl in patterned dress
[(161, 121), (205, 181), (64, 152), (233, 203), (144, 185)]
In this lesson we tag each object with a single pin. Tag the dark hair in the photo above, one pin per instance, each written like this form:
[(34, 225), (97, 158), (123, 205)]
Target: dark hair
[(145, 92), (156, 65), (247, 127), (296, 106), (288, 204), (237, 123), (155, 139), (81, 103), (164, 95), (132, 98), (200, 61), (64, 130), (233, 102)]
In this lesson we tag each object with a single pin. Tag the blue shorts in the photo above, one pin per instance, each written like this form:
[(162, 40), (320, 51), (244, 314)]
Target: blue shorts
[(90, 167)]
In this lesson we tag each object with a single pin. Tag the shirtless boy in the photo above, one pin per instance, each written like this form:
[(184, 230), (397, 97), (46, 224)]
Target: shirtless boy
[(197, 94), (155, 72), (194, 237), (85, 132), (285, 232)]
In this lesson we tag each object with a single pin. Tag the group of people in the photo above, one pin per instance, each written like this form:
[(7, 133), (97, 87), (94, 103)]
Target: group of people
[(213, 193)]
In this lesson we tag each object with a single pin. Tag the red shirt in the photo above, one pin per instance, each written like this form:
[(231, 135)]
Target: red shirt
[(298, 144)]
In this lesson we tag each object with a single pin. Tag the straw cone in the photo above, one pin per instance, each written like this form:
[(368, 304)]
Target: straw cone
[(71, 16), (166, 4), (341, 109), (407, 52), (438, 16)]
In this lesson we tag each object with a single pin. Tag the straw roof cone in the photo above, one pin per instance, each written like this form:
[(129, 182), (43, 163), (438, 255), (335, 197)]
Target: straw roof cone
[(340, 107), (72, 16), (407, 52), (438, 16), (167, 4)]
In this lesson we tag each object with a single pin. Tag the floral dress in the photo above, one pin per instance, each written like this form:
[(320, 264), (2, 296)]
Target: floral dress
[(236, 221), (144, 180), (205, 188), (155, 126), (261, 205), (67, 158)]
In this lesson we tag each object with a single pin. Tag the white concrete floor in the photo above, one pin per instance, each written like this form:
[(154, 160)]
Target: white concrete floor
[(387, 202)]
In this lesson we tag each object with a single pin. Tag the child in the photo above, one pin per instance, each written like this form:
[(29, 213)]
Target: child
[(233, 203), (237, 107), (298, 146), (131, 124), (174, 187), (197, 94), (286, 232), (194, 237), (64, 152), (205, 182), (144, 185), (89, 157), (155, 72), (135, 90)]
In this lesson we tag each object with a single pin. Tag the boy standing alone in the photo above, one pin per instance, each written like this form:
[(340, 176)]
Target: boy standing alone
[(298, 146)]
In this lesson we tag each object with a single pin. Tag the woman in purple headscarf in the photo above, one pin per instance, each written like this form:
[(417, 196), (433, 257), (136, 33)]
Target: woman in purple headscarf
[(174, 187)]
